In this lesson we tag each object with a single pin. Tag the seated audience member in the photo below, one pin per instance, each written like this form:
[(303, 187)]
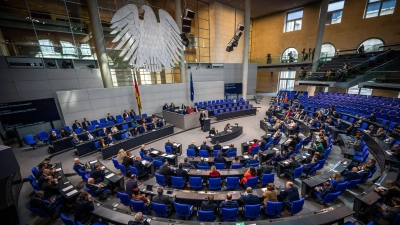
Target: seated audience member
[(288, 153), (80, 166), (202, 162), (102, 143), (135, 130), (370, 166), (98, 189), (76, 125), (292, 165), (335, 179), (254, 144), (89, 136), (270, 194), (130, 184), (111, 118), (194, 147), (120, 156), (180, 172), (349, 130), (397, 128), (351, 175), (308, 138), (76, 139), (189, 110), (386, 214), (127, 161), (97, 174), (364, 172), (114, 129), (326, 189), (389, 140), (219, 158), (227, 128), (230, 149), (53, 136), (187, 165), (137, 163), (296, 138), (104, 132), (85, 123), (372, 118), (110, 139), (125, 115), (290, 142), (83, 207), (309, 166), (388, 193), (276, 158), (139, 220), (248, 198), (217, 146), (136, 196), (250, 173), (42, 177), (371, 130), (263, 143), (204, 146), (289, 194), (143, 149), (214, 173), (160, 157), (128, 133), (167, 172), (356, 144), (228, 203), (39, 202), (163, 199), (148, 157), (211, 133), (264, 169), (236, 160), (209, 205), (318, 146), (165, 107), (380, 133), (50, 187), (250, 161), (339, 124)]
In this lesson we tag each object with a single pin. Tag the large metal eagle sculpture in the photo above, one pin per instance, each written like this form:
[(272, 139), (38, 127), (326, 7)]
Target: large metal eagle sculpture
[(147, 43)]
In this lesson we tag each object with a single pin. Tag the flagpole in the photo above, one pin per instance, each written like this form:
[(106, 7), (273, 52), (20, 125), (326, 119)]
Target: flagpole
[(134, 87)]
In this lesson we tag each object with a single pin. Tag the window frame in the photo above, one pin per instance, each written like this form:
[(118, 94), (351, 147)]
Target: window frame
[(293, 20), (380, 8), (285, 78), (329, 14)]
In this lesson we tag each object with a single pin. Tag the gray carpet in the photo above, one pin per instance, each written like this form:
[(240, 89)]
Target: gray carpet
[(28, 157)]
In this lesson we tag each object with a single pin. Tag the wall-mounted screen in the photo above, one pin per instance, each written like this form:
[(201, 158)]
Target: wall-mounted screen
[(233, 88)]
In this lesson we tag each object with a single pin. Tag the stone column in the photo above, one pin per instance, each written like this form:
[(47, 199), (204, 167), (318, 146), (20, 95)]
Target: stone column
[(320, 33), (246, 47)]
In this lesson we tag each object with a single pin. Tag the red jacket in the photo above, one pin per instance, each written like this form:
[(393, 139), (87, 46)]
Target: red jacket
[(252, 146), (214, 174)]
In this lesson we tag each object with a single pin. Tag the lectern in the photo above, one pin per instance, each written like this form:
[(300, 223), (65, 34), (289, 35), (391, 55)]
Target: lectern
[(207, 125)]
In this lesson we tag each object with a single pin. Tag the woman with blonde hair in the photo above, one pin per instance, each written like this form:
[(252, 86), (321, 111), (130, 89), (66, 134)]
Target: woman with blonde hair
[(214, 172), (270, 194), (335, 179), (120, 156)]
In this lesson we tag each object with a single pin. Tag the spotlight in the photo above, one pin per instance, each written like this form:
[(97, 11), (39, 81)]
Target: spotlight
[(229, 48), (184, 36), (189, 13), (91, 66), (51, 65), (186, 22), (185, 29), (237, 35), (234, 43)]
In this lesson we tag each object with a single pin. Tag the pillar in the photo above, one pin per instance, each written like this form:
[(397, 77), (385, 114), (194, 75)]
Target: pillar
[(178, 19), (246, 47), (320, 33), (98, 36)]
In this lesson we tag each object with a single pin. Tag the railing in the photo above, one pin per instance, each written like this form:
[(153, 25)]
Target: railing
[(386, 73), (286, 59)]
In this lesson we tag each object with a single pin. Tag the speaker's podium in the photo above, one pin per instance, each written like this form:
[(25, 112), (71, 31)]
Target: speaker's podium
[(207, 125)]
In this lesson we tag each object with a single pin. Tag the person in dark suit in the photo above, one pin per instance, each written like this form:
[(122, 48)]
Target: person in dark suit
[(159, 157), (188, 165), (167, 172), (371, 165), (142, 171), (139, 220), (209, 205), (42, 177), (364, 172), (296, 138), (85, 123), (380, 133), (309, 166), (211, 133), (289, 194), (130, 184), (79, 166), (275, 159), (76, 139), (170, 144), (248, 198), (194, 147), (98, 189), (326, 189), (110, 139), (289, 143), (389, 193), (132, 114), (338, 124), (76, 125), (228, 203), (97, 173), (202, 118), (204, 146), (351, 175), (202, 163), (230, 149), (265, 169), (180, 172), (219, 158), (148, 157), (263, 142), (39, 202), (227, 128), (111, 118), (372, 118), (217, 146), (53, 136), (163, 199), (288, 153), (387, 214), (293, 164), (89, 136), (50, 187), (165, 107), (83, 207)]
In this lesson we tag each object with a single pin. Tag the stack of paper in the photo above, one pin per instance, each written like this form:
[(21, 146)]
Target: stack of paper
[(109, 175), (71, 192), (67, 188)]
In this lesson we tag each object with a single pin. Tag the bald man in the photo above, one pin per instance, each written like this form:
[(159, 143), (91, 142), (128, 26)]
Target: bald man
[(229, 203), (79, 166), (97, 189), (351, 175), (289, 194), (171, 144), (139, 220)]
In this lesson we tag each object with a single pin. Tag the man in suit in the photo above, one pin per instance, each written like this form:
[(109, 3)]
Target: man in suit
[(275, 159), (76, 125), (139, 220), (79, 166), (351, 175), (230, 149), (137, 163), (147, 157), (289, 194), (387, 214), (85, 123), (170, 144), (180, 172), (219, 158), (76, 139), (98, 189), (309, 166), (380, 133), (326, 189), (132, 114), (265, 169), (263, 142), (83, 207), (167, 172), (296, 138), (194, 147), (110, 139), (53, 136), (202, 163), (288, 153), (159, 157), (294, 128), (204, 146), (110, 117), (209, 205), (372, 118), (389, 193), (97, 173), (371, 130), (38, 202), (228, 203), (252, 160), (371, 165), (50, 187), (248, 198), (202, 118), (217, 146), (338, 124), (289, 143), (187, 165), (293, 164), (163, 199), (104, 132), (130, 184), (42, 177), (143, 149), (89, 136)]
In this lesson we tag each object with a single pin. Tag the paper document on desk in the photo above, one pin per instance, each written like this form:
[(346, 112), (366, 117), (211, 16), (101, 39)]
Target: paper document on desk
[(94, 161), (389, 153), (58, 169), (275, 149), (154, 152), (71, 192), (304, 157), (144, 162), (225, 147), (263, 189), (103, 167), (165, 154), (110, 175), (67, 188), (170, 156), (206, 159), (246, 156)]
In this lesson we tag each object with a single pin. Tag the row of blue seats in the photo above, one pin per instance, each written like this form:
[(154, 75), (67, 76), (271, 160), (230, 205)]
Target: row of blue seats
[(217, 102), (227, 110)]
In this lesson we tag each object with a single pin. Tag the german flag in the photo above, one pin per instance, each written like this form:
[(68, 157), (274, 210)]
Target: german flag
[(137, 93)]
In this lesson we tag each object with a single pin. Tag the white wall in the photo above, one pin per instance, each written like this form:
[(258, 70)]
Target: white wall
[(96, 103)]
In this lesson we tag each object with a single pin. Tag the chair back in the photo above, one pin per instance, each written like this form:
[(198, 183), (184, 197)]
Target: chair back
[(267, 178), (115, 163), (203, 153), (219, 166), (215, 153), (297, 172), (138, 206), (320, 164), (134, 171), (125, 199), (122, 168), (203, 167), (229, 214), (160, 209), (35, 172), (255, 150), (38, 212), (90, 191), (353, 183), (168, 149), (125, 127), (158, 163), (231, 154), (252, 182), (123, 136), (90, 127), (297, 206), (84, 175), (252, 211), (396, 220), (232, 182), (190, 153), (182, 210), (205, 216), (331, 197), (160, 179), (66, 220), (110, 123), (273, 209), (236, 166), (195, 182), (341, 187), (33, 182), (177, 182), (78, 131), (214, 183)]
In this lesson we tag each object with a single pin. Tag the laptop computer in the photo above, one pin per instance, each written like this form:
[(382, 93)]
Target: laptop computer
[(149, 187)]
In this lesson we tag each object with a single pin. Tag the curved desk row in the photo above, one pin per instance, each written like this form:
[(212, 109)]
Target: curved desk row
[(66, 189), (115, 179), (233, 114), (348, 152), (210, 160), (224, 173), (227, 136), (331, 215)]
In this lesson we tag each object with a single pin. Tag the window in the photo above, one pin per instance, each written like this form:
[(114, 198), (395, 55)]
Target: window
[(293, 20), (372, 44), (379, 8), (335, 11), (353, 90), (286, 80), (326, 89), (360, 91), (328, 50), (46, 46), (289, 55), (68, 49)]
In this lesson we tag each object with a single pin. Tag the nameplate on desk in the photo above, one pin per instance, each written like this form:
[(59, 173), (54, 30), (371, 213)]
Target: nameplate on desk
[(275, 149), (71, 192), (154, 152), (206, 159), (58, 169), (165, 154), (304, 157), (225, 147), (67, 188), (110, 175), (170, 156)]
